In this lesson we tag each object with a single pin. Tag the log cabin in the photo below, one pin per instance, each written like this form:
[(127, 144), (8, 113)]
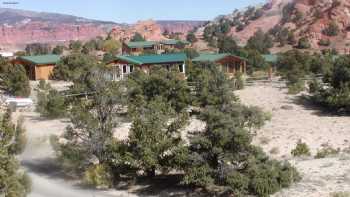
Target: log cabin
[(229, 64), (124, 65), (158, 47), (38, 67)]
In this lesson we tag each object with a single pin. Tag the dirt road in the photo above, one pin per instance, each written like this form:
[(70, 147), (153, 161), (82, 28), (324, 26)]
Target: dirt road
[(38, 159)]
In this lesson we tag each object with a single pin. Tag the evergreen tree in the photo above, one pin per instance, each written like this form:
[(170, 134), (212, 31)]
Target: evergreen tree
[(137, 38), (58, 50), (51, 104), (159, 82), (155, 139), (332, 29), (93, 120), (71, 67), (260, 42), (13, 183), (14, 79), (191, 37)]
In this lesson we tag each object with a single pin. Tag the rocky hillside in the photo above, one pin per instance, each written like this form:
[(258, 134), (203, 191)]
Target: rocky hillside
[(324, 23), (179, 26), (20, 27)]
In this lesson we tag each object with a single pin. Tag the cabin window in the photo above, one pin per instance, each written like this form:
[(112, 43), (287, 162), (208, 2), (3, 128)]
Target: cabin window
[(124, 68), (181, 69), (131, 68), (168, 67)]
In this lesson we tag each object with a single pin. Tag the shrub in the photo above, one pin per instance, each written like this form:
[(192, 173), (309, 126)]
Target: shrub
[(20, 137), (191, 37), (340, 194), (238, 182), (51, 104), (326, 151), (98, 176), (304, 43), (295, 88), (270, 177), (26, 182), (198, 176), (324, 42), (239, 81), (14, 80), (301, 149), (332, 29)]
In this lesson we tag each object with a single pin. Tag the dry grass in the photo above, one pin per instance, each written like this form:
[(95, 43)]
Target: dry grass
[(340, 194), (264, 140), (274, 151)]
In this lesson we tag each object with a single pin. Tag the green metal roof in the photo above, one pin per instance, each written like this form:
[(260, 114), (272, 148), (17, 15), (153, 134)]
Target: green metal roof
[(41, 59), (213, 57), (154, 59), (142, 44), (271, 58), (173, 42), (147, 44)]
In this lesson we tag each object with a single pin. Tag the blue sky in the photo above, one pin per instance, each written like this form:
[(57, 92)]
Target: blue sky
[(131, 11)]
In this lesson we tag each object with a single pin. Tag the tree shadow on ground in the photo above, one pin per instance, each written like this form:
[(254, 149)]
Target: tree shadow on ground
[(46, 167), (318, 110), (163, 185)]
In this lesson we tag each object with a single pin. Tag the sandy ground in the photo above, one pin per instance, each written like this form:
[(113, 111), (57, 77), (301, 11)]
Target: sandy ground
[(320, 176), (287, 126)]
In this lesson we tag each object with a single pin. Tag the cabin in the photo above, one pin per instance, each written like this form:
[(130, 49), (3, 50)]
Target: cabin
[(159, 47), (124, 65), (230, 64), (38, 67)]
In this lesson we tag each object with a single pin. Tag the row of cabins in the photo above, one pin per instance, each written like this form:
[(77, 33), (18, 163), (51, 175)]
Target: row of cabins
[(41, 67)]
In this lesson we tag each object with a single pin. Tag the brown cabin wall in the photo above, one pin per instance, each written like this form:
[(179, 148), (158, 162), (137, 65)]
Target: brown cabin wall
[(231, 65), (36, 72), (43, 72)]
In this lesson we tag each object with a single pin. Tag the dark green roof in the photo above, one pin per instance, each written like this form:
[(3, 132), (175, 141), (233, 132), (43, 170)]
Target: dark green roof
[(147, 44), (213, 57), (41, 59), (154, 59), (173, 42), (143, 44), (271, 58)]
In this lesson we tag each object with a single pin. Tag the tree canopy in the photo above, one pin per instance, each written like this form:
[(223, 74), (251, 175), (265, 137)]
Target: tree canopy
[(137, 38), (14, 79), (13, 182)]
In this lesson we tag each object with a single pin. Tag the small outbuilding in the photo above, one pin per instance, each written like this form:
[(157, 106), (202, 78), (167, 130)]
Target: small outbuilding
[(38, 67), (230, 64)]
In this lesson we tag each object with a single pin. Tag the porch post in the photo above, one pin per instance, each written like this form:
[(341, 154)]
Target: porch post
[(184, 68), (245, 67)]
